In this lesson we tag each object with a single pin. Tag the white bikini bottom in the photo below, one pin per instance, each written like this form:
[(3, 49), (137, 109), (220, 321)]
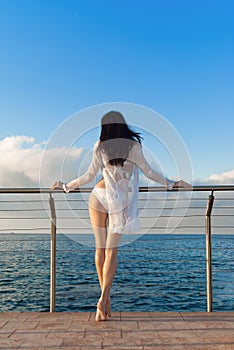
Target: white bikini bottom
[(118, 222), (100, 194)]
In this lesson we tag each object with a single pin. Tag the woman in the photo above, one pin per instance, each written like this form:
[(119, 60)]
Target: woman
[(113, 202)]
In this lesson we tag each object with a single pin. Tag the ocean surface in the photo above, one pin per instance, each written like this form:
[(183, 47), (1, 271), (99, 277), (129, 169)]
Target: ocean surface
[(155, 273)]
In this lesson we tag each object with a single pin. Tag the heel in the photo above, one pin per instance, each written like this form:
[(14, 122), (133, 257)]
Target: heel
[(101, 312), (108, 307)]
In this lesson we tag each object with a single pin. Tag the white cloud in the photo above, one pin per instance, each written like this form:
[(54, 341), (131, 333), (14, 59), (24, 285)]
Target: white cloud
[(225, 178), (20, 162)]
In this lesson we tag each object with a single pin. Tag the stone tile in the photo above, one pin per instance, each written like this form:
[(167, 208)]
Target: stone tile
[(208, 316), (101, 334), (153, 341), (26, 325), (165, 314), (10, 315), (116, 316), (32, 315), (82, 316), (123, 347), (10, 343), (2, 323), (22, 325), (47, 324), (165, 347), (4, 336), (36, 340), (78, 342), (151, 324), (213, 346), (212, 335), (219, 325), (134, 316), (9, 327), (77, 325), (121, 325), (174, 334), (142, 334), (122, 343), (184, 325)]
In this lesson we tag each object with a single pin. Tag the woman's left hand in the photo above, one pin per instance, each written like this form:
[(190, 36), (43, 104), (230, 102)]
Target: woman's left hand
[(182, 184), (57, 185)]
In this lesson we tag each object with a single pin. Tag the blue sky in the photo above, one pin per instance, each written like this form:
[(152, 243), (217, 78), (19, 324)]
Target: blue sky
[(176, 57)]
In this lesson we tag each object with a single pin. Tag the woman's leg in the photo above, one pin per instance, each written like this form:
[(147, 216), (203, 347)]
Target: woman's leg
[(98, 217), (105, 255), (109, 266)]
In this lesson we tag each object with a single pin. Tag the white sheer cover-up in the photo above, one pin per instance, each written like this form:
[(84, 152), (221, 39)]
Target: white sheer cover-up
[(122, 186)]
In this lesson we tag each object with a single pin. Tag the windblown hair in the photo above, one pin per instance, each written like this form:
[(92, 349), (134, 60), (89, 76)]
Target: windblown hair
[(116, 138)]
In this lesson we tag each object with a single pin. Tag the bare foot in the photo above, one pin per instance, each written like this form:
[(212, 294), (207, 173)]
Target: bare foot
[(101, 311)]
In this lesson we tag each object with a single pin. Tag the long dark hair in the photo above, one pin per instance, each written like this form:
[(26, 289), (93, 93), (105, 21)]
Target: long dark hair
[(117, 138)]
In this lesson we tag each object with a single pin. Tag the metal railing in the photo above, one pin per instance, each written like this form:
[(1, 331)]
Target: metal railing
[(209, 199)]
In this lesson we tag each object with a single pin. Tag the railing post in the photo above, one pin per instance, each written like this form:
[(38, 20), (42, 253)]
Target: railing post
[(52, 256), (209, 254)]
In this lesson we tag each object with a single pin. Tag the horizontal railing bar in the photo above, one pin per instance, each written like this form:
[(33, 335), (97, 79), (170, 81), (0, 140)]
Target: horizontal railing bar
[(141, 189), (23, 200), (87, 217), (34, 218), (140, 199), (159, 209), (25, 229), (20, 210), (201, 293)]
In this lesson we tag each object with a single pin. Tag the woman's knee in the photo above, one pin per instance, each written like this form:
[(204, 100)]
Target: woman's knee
[(111, 253), (113, 240), (100, 254)]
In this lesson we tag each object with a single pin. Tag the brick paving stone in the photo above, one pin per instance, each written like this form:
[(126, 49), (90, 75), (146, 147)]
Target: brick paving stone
[(213, 346), (2, 323), (47, 324), (10, 344), (165, 347), (142, 334), (33, 340), (78, 325), (135, 331), (219, 325), (151, 324), (78, 342), (123, 346), (101, 334), (184, 325), (123, 325), (120, 343), (138, 316), (174, 334)]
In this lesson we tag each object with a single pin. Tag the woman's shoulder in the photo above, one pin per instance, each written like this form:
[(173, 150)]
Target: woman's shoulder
[(96, 144), (135, 151), (136, 146)]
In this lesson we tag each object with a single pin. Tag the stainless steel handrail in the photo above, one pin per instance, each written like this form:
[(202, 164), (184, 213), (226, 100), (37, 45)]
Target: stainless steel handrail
[(141, 189), (211, 189)]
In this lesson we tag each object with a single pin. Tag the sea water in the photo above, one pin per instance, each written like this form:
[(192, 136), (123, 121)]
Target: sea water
[(155, 273)]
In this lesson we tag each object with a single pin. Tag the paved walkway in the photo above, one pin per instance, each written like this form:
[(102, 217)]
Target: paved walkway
[(125, 330)]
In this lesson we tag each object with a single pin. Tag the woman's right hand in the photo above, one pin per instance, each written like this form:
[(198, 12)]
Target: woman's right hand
[(182, 184), (57, 185)]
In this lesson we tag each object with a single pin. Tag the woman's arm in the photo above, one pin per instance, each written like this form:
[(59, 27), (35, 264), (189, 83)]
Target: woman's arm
[(87, 177), (139, 159)]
